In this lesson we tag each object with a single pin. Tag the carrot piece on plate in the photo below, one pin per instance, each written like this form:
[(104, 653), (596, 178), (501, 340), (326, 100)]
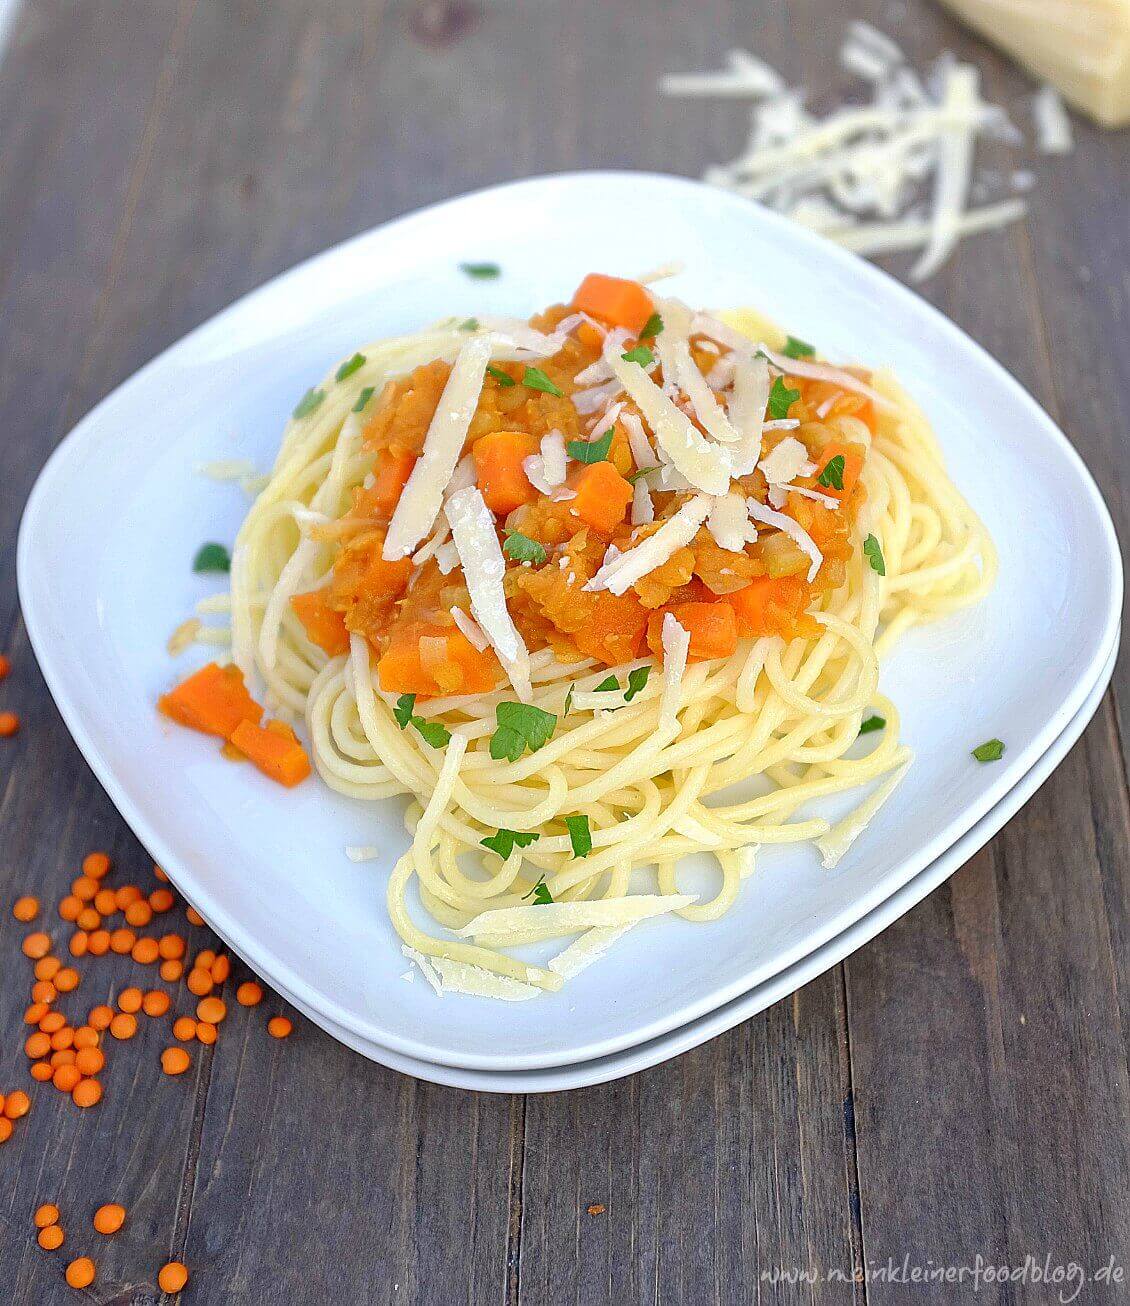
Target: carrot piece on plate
[(713, 628), (214, 700), (274, 749), (852, 454)]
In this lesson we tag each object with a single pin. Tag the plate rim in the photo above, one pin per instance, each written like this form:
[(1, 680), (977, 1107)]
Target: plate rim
[(271, 964)]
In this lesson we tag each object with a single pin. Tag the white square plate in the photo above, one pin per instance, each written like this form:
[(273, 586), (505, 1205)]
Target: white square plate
[(112, 525)]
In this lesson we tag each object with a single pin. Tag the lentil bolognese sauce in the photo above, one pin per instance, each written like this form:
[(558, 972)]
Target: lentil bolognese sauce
[(561, 582)]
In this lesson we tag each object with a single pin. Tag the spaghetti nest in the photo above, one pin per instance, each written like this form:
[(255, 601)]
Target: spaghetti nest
[(657, 776)]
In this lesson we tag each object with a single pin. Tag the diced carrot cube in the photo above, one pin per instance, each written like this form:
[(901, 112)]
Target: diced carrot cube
[(602, 498), (429, 661), (615, 300), (214, 700), (768, 605), (713, 629), (498, 468), (276, 752), (852, 455)]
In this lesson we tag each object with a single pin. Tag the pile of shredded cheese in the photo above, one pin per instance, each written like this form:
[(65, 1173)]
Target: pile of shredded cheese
[(897, 172)]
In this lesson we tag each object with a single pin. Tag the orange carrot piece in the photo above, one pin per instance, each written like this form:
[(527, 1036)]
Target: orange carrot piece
[(852, 455), (769, 606), (279, 756), (498, 469), (214, 700), (460, 667), (324, 625), (614, 300), (713, 628), (602, 498)]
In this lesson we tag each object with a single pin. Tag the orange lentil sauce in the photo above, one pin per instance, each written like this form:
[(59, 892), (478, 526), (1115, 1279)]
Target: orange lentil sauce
[(404, 611)]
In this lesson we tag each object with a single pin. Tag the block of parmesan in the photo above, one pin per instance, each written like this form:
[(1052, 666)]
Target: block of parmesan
[(1081, 46)]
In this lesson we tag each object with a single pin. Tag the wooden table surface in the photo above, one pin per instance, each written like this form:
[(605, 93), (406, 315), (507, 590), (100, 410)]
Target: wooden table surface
[(956, 1090)]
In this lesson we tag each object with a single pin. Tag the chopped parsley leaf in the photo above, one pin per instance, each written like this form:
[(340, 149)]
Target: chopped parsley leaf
[(580, 836), (433, 732), (481, 271), (471, 324), (795, 348), (309, 401), (349, 367), (874, 552), (520, 726), (212, 557), (540, 893), (522, 549), (609, 686), (536, 379), (633, 477), (505, 841), (590, 451), (652, 327), (872, 724), (504, 379), (832, 477), (637, 679), (363, 398), (405, 706), (992, 750), (641, 354), (781, 399)]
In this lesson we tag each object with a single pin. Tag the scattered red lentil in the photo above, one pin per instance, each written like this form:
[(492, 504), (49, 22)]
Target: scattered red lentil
[(35, 1013), (17, 1104), (161, 900), (50, 1238), (193, 916), (25, 909), (79, 943), (105, 902), (124, 1025), (88, 1092), (9, 724), (122, 941), (279, 1026), (207, 1033), (96, 865), (199, 982), (130, 1000), (171, 970), (53, 1021), (80, 1272), (109, 1218), (184, 1028), (66, 1078), (46, 1215), (172, 1277), (159, 874), (90, 1060), (47, 967), (69, 907), (84, 888), (175, 1061), (67, 979), (36, 945), (249, 994), (98, 944), (145, 951), (101, 1016)]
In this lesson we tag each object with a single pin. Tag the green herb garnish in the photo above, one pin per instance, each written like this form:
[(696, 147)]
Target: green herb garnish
[(405, 706), (481, 271), (874, 552), (504, 379), (611, 685), (568, 701), (522, 549), (520, 726), (872, 724), (637, 679), (641, 354), (505, 841), (309, 401), (349, 367), (652, 327), (471, 324), (212, 557), (832, 477), (433, 732), (633, 477), (781, 399), (536, 379), (795, 348), (992, 750), (590, 451), (580, 836), (363, 398), (540, 893)]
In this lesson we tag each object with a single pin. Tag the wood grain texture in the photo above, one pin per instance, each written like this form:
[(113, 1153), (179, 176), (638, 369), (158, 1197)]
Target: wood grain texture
[(957, 1088)]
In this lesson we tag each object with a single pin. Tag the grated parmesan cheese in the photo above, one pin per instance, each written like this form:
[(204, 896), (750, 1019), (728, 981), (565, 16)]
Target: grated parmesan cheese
[(632, 565), (422, 496), (362, 852), (793, 529), (727, 522), (470, 627), (839, 839), (590, 947), (476, 541), (1053, 126), (553, 919), (786, 462), (676, 647)]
